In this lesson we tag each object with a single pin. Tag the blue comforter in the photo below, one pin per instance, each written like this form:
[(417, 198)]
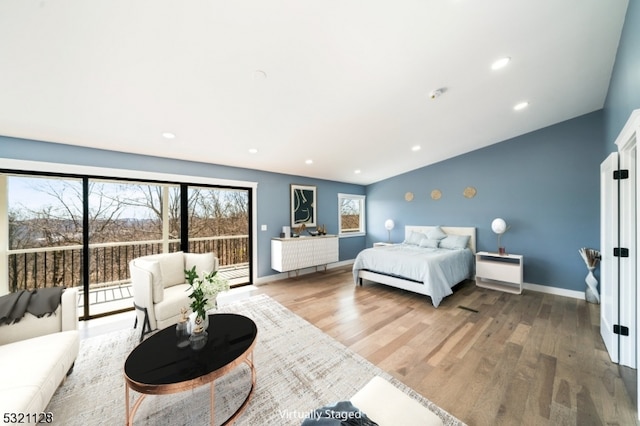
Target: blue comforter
[(438, 269)]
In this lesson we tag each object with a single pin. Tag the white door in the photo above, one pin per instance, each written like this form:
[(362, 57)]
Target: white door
[(609, 264), (627, 239)]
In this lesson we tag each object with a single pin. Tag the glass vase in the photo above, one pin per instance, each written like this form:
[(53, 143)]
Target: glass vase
[(198, 339), (182, 334)]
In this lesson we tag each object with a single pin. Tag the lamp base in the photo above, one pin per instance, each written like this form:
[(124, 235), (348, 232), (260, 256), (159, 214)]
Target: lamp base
[(502, 251)]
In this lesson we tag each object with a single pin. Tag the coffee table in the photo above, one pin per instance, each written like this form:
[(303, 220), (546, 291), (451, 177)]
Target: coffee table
[(158, 367)]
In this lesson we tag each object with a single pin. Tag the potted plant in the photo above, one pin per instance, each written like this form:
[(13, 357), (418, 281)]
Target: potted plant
[(204, 290)]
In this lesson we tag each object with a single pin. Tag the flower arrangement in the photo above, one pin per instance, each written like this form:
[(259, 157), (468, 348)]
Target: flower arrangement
[(205, 287)]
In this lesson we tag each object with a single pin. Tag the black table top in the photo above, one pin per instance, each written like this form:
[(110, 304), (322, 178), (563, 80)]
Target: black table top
[(159, 361)]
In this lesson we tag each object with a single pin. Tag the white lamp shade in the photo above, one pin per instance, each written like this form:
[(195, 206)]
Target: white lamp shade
[(388, 224), (499, 226)]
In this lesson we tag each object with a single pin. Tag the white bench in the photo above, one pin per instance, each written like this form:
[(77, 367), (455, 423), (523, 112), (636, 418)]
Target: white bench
[(389, 406)]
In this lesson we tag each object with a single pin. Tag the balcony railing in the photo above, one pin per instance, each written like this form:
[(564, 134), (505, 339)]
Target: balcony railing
[(109, 263)]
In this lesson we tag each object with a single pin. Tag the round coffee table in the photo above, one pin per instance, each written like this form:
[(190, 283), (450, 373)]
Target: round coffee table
[(158, 367)]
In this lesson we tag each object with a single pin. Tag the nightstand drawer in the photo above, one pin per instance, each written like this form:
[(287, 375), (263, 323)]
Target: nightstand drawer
[(499, 270)]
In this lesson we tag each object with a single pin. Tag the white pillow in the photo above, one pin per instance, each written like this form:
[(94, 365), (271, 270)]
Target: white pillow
[(436, 233), (204, 262), (172, 267), (157, 286), (429, 243), (455, 242), (414, 238)]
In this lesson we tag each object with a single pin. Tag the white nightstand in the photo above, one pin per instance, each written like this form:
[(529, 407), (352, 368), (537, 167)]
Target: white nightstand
[(499, 272), (381, 244)]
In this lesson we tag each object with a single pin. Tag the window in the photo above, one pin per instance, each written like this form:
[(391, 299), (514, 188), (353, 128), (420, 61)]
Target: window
[(351, 215)]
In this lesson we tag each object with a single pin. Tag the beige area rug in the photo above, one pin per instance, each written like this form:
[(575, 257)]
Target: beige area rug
[(299, 368)]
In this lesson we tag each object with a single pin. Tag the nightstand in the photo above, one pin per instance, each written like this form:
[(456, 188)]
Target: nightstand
[(380, 244), (499, 272)]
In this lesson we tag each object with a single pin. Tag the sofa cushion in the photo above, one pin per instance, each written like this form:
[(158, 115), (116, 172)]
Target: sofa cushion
[(175, 298), (204, 262), (32, 370), (172, 267), (153, 267)]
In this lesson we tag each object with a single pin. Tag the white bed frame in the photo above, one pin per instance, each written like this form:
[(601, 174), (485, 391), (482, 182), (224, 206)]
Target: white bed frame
[(413, 286)]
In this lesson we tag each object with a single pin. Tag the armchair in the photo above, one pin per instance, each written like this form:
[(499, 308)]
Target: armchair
[(160, 289)]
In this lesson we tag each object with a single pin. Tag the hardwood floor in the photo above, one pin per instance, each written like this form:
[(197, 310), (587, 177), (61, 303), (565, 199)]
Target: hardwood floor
[(489, 358)]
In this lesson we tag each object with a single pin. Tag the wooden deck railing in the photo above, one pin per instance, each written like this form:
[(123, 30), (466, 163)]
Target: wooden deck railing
[(109, 262)]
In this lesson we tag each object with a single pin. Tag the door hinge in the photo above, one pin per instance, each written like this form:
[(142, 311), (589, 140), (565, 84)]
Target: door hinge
[(620, 252), (621, 330), (620, 174)]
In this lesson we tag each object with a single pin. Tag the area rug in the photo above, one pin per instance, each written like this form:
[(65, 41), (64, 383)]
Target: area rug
[(299, 368)]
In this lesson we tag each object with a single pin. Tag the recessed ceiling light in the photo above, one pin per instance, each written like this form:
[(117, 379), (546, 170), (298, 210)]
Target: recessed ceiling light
[(415, 148), (168, 135), (357, 171), (521, 105), (500, 63), (309, 162), (253, 151)]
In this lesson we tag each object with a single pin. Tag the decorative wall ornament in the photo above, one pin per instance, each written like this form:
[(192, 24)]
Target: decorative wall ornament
[(303, 205), (408, 196), (436, 194), (469, 192)]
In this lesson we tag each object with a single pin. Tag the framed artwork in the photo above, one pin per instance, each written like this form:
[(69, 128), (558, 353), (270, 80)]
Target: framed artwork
[(303, 205)]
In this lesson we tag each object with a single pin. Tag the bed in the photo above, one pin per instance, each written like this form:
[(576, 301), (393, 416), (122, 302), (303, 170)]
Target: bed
[(430, 261)]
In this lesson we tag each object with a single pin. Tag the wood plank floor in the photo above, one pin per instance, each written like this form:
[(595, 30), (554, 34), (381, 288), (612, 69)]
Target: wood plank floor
[(489, 358)]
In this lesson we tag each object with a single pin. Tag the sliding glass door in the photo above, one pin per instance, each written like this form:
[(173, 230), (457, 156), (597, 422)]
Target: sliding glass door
[(80, 231)]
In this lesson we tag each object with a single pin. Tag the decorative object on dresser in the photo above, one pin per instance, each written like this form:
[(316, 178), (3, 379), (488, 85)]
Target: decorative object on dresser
[(303, 205), (293, 254), (388, 225), (502, 272), (499, 226), (591, 258), (430, 261)]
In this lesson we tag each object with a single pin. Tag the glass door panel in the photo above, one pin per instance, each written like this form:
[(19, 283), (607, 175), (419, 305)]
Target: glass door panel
[(219, 223)]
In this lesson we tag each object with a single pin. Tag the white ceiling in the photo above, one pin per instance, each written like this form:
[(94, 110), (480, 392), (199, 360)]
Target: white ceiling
[(347, 82)]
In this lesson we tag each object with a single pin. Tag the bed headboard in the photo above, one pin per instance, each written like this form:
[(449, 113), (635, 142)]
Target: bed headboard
[(451, 230)]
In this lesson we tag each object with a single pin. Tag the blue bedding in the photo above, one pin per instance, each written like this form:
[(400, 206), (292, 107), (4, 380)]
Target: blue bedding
[(436, 268)]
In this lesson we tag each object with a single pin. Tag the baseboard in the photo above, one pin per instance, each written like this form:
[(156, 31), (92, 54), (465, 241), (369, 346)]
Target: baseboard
[(554, 290)]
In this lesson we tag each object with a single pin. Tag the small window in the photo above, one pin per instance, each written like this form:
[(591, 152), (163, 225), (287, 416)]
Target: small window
[(351, 215)]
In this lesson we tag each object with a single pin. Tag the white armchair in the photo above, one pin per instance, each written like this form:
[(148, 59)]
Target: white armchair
[(160, 290)]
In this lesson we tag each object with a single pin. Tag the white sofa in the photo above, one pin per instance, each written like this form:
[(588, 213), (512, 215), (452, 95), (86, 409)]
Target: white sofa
[(36, 354), (160, 289)]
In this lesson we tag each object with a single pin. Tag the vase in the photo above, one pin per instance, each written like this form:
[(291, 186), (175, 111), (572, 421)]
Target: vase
[(198, 339), (204, 322), (182, 333), (591, 293)]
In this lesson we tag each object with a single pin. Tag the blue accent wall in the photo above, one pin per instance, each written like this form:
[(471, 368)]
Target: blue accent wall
[(624, 89), (545, 184), (273, 191)]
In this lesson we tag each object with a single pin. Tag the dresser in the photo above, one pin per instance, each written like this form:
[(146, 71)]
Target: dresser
[(293, 254)]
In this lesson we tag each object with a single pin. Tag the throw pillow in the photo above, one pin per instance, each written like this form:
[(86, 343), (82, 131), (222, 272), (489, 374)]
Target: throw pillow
[(172, 267), (436, 233), (455, 242), (204, 262)]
